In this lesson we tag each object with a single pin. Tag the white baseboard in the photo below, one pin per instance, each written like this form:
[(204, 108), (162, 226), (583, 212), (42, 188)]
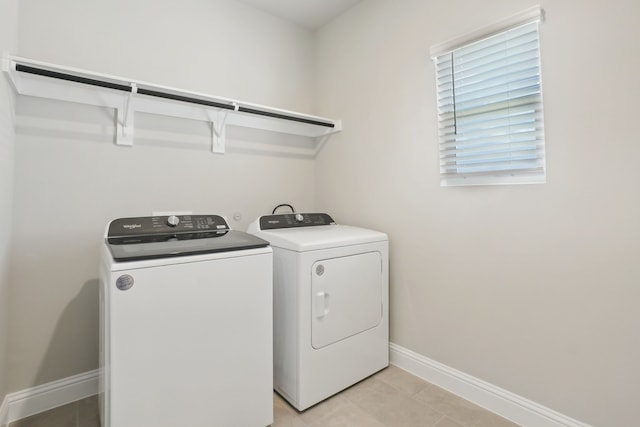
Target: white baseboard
[(41, 398), (502, 402), (499, 401)]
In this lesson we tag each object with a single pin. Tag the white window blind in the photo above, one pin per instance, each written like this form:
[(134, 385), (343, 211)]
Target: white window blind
[(490, 110)]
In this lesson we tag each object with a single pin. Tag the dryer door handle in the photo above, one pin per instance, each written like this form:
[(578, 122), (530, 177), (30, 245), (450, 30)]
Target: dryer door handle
[(322, 304)]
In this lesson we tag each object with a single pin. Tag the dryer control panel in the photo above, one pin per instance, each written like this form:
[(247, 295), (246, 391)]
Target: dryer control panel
[(294, 220)]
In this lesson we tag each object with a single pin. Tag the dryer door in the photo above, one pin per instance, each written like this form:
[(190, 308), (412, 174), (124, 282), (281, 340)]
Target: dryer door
[(346, 297)]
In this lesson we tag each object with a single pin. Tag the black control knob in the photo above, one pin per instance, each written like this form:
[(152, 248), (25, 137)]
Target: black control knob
[(173, 220)]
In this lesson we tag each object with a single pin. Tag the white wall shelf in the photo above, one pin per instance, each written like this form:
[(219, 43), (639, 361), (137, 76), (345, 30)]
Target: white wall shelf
[(126, 96)]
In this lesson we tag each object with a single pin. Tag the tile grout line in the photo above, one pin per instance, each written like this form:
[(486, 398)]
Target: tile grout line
[(412, 397), (441, 419), (401, 392)]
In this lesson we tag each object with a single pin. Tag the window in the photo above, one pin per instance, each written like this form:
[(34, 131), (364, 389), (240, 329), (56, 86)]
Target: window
[(490, 107)]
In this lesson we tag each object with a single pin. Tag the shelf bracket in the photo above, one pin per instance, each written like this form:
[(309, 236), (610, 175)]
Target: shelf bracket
[(320, 143), (124, 127), (218, 129), (9, 67)]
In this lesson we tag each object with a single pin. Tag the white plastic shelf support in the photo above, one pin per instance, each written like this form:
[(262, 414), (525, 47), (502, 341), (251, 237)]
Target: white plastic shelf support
[(124, 121), (127, 96)]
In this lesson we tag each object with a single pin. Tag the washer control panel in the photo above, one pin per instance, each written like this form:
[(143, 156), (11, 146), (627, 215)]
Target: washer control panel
[(166, 225), (294, 220)]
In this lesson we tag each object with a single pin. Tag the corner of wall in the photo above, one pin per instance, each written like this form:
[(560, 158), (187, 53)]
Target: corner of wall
[(4, 412), (9, 37)]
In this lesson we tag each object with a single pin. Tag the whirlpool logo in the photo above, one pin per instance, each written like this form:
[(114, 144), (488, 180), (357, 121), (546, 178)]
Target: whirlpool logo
[(132, 226)]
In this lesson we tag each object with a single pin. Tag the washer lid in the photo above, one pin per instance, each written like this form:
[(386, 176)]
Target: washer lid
[(230, 240), (320, 237)]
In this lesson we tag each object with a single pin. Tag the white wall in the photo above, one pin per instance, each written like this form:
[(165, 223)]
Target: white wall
[(70, 178), (532, 288), (8, 43)]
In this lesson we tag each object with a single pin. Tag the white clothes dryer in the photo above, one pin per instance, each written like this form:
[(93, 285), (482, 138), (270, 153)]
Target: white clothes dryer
[(331, 304), (186, 335)]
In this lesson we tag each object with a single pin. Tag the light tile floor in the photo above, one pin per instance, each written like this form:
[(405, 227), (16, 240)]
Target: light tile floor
[(391, 398)]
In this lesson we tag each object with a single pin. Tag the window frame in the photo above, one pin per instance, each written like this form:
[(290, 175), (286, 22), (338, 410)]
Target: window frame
[(450, 177)]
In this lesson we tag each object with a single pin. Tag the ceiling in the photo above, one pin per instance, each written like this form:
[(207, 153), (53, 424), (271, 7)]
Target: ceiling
[(310, 14)]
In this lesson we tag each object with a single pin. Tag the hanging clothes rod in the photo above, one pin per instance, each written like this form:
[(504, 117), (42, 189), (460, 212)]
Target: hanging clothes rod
[(127, 88)]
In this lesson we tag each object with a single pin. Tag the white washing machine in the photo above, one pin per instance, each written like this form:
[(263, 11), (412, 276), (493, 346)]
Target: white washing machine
[(331, 304), (186, 324)]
